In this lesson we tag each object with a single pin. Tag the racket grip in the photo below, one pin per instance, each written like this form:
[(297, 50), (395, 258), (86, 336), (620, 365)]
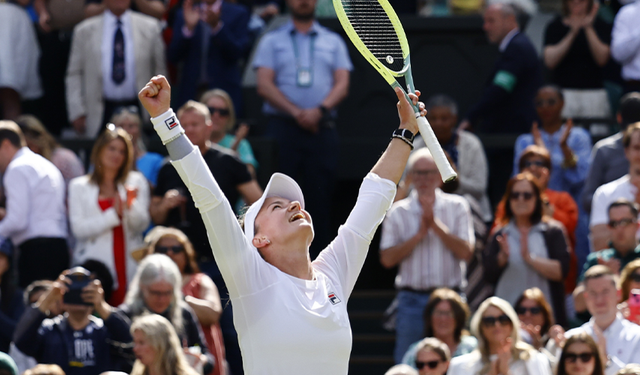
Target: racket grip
[(446, 171)]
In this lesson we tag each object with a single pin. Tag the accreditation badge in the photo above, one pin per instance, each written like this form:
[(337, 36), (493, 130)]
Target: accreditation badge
[(304, 77)]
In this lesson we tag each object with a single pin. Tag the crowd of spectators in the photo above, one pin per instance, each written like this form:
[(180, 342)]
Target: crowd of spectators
[(110, 268)]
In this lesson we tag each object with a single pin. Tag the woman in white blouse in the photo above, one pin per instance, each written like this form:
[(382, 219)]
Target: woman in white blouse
[(500, 348), (109, 209)]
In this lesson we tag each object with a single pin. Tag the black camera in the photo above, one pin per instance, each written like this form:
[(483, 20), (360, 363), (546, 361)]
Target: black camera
[(80, 277)]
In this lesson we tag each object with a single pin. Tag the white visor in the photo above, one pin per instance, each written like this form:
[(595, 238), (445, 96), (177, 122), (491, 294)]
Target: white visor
[(280, 185)]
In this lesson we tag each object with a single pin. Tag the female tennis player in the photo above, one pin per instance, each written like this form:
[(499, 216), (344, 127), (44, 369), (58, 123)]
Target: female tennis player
[(290, 313)]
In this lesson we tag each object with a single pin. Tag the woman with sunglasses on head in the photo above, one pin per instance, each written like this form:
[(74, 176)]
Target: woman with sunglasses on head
[(109, 209), (223, 119), (445, 317), (199, 290), (290, 313), (148, 163), (529, 250), (500, 347), (581, 356), (629, 280), (432, 357)]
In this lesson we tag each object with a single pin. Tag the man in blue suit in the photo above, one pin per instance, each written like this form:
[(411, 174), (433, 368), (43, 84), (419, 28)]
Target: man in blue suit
[(209, 39)]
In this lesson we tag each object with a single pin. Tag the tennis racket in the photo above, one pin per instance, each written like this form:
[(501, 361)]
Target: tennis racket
[(376, 31)]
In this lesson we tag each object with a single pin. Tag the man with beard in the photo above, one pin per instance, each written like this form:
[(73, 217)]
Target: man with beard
[(303, 74)]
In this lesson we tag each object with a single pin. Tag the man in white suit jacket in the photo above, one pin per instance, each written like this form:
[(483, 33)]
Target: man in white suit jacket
[(89, 74)]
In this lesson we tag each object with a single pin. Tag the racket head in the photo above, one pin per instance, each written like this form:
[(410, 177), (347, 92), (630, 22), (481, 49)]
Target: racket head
[(375, 30)]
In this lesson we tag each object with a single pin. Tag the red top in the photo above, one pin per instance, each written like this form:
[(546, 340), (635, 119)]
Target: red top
[(119, 257)]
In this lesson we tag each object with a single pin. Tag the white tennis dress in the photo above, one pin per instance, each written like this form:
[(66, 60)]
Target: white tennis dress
[(286, 325)]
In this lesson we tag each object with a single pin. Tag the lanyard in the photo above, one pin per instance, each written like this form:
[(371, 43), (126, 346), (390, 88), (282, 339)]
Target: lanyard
[(312, 40)]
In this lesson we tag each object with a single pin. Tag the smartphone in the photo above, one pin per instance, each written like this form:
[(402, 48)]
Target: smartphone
[(634, 305), (80, 277)]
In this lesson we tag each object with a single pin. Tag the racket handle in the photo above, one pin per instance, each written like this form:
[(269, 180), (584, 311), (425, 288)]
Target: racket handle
[(446, 171)]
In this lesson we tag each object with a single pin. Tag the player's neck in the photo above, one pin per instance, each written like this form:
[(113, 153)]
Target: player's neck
[(605, 321)]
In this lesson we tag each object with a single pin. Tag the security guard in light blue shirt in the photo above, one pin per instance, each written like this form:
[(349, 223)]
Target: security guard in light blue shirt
[(303, 74)]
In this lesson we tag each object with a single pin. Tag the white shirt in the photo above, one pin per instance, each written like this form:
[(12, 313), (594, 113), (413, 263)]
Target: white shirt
[(625, 40), (607, 194), (431, 264), (286, 325), (471, 364), (35, 192), (623, 342), (127, 89)]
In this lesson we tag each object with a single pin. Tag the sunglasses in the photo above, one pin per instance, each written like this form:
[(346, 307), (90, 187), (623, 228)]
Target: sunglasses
[(620, 223), (490, 321), (224, 112), (515, 195), (165, 249), (573, 357), (430, 364), (537, 163), (532, 310), (548, 102), (635, 277)]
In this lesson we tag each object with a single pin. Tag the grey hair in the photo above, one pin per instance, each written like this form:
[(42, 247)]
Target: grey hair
[(442, 100), (162, 337), (417, 155), (154, 268), (401, 369)]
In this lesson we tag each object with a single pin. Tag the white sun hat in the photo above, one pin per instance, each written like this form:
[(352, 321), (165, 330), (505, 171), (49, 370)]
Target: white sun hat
[(280, 185)]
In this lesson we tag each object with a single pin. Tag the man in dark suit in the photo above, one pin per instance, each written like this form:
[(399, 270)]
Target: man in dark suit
[(210, 38), (506, 105)]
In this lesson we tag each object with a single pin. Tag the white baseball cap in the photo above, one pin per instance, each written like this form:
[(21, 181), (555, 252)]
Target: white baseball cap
[(280, 185)]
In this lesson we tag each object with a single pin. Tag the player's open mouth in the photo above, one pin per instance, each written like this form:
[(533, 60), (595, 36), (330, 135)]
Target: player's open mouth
[(295, 217)]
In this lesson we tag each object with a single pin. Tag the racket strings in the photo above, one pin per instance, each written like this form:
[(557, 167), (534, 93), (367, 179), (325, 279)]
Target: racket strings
[(374, 28)]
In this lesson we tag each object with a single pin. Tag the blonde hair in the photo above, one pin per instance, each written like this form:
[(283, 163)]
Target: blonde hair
[(42, 369), (630, 369), (110, 134), (218, 93), (162, 337), (36, 133), (193, 106), (436, 346), (519, 350), (191, 265)]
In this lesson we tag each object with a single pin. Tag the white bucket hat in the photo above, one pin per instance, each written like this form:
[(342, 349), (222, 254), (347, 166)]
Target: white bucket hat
[(280, 185)]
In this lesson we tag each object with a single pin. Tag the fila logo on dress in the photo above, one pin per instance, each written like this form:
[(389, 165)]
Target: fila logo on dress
[(333, 298)]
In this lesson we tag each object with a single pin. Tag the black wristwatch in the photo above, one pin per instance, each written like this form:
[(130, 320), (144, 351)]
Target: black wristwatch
[(405, 134), (324, 110)]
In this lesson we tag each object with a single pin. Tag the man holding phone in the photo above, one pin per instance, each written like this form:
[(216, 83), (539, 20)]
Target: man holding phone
[(60, 329)]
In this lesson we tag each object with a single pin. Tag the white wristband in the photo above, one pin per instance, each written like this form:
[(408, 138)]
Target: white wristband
[(167, 126)]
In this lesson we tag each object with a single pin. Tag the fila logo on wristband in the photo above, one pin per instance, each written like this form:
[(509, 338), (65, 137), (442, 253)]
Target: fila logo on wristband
[(171, 122)]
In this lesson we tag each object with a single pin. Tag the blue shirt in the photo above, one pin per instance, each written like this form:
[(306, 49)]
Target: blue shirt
[(245, 152), (149, 165), (570, 180), (276, 51)]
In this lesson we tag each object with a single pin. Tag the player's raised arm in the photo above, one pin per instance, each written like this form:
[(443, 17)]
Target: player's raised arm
[(393, 161)]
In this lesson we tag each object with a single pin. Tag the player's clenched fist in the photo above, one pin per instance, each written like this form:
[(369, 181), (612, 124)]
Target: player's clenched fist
[(155, 96)]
